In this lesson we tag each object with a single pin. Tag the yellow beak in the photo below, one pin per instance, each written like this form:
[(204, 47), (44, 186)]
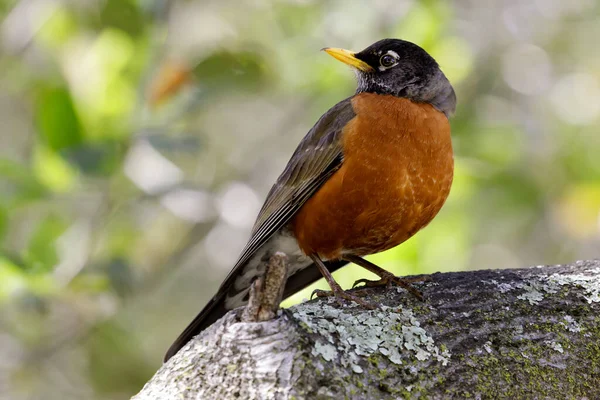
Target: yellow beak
[(348, 57)]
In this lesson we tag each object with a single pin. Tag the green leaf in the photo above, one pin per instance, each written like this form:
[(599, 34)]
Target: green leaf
[(58, 30), (89, 283), (18, 185), (57, 121), (174, 144), (11, 279), (53, 170), (100, 159), (41, 255), (225, 70), (127, 365), (120, 275), (125, 15)]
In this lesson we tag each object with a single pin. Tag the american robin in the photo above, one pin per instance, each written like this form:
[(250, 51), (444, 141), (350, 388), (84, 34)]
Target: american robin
[(374, 170)]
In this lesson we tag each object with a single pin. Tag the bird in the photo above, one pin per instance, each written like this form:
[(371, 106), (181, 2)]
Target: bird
[(375, 169)]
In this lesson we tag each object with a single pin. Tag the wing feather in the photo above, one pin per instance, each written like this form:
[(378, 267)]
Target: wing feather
[(317, 156)]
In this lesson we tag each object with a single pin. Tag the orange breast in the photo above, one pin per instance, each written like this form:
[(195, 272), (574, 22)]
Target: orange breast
[(396, 175)]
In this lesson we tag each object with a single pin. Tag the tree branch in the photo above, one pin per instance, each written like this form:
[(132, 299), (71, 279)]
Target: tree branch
[(527, 333)]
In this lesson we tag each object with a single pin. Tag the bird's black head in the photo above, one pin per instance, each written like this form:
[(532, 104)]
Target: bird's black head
[(400, 68)]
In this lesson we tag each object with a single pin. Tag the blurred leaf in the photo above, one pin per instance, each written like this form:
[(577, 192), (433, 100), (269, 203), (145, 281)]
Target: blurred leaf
[(12, 279), (17, 184), (57, 122), (120, 275), (52, 170), (225, 70), (578, 211), (96, 158), (424, 23), (107, 99), (455, 58), (116, 361), (122, 236), (578, 155), (61, 27), (40, 255), (89, 283), (501, 145), (295, 18), (162, 142), (42, 285), (124, 15), (218, 73), (169, 79), (515, 191)]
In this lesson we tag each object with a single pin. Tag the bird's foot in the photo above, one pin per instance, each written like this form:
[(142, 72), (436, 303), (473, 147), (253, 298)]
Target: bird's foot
[(341, 294), (388, 279)]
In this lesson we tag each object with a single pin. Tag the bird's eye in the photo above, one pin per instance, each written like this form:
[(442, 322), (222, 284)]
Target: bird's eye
[(387, 60)]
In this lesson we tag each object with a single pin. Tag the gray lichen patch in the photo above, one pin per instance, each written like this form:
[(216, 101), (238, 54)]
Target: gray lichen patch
[(393, 334), (538, 286), (503, 287), (590, 283), (534, 291), (327, 351), (554, 346), (571, 324)]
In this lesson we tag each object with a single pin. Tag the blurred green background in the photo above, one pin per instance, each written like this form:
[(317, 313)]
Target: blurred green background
[(139, 138)]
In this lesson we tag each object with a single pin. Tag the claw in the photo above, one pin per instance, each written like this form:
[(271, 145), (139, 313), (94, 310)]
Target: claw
[(387, 277), (388, 280), (321, 293), (339, 295), (373, 283), (358, 282)]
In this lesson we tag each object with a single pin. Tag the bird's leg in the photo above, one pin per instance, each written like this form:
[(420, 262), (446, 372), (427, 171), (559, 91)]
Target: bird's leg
[(336, 290), (387, 278)]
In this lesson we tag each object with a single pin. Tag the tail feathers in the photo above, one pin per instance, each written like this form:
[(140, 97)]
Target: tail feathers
[(215, 309)]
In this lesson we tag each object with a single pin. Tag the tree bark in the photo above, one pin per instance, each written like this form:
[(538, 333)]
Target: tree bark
[(526, 333)]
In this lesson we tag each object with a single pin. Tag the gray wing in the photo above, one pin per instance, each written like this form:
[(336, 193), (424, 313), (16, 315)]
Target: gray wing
[(317, 157)]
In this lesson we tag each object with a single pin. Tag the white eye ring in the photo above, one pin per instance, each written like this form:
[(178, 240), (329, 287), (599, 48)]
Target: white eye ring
[(387, 60)]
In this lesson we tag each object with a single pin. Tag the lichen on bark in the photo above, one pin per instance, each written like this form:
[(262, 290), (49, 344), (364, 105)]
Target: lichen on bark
[(527, 333)]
